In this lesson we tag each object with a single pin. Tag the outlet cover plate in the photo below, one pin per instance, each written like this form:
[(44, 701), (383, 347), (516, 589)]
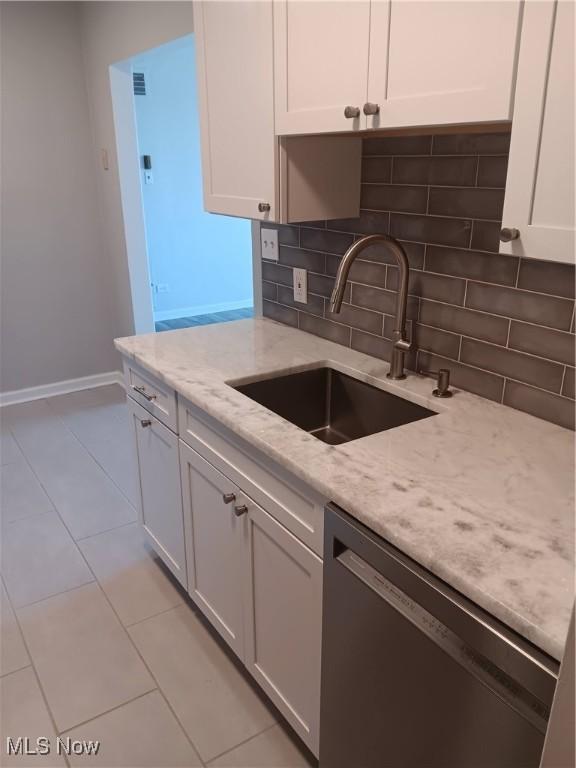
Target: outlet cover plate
[(269, 243), (300, 286)]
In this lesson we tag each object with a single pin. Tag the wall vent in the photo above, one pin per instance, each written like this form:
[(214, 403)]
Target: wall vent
[(139, 83)]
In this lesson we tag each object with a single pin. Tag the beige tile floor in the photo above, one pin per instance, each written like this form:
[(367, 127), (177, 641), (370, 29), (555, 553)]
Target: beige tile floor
[(97, 641)]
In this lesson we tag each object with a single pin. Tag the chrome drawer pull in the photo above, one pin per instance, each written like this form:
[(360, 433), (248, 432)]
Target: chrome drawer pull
[(241, 510), (228, 498), (146, 422), (142, 391)]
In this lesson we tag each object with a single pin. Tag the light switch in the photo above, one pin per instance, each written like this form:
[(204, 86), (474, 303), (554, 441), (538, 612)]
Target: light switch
[(269, 243)]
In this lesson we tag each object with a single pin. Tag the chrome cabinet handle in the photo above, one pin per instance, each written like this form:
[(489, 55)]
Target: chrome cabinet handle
[(351, 112), (507, 234), (241, 510), (228, 498), (371, 109), (263, 207), (142, 391), (146, 422)]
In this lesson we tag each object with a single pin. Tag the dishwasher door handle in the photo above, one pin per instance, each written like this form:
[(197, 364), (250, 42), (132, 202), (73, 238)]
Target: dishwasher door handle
[(506, 688)]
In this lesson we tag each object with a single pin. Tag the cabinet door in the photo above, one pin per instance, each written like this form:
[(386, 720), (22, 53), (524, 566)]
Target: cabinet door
[(284, 621), (539, 199), (214, 542), (160, 497), (236, 95), (437, 62), (320, 64)]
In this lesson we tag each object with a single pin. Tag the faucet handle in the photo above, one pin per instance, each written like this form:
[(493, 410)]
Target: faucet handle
[(443, 388)]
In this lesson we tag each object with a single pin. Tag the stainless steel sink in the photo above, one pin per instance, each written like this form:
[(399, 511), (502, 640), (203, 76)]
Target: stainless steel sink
[(332, 406)]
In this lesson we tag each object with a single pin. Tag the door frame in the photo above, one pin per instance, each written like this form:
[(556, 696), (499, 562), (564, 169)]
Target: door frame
[(124, 113)]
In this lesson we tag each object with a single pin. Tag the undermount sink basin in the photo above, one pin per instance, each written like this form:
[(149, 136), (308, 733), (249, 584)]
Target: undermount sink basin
[(332, 406)]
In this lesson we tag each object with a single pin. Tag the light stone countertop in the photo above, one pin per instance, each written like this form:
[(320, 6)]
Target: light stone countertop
[(481, 495)]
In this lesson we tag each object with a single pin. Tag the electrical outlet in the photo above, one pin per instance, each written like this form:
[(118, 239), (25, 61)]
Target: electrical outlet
[(301, 286), (148, 177), (269, 242)]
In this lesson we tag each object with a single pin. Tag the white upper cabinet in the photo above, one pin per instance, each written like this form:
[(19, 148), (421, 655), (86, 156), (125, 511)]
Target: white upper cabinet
[(236, 96), (321, 61), (399, 62), (539, 200), (441, 62), (247, 171)]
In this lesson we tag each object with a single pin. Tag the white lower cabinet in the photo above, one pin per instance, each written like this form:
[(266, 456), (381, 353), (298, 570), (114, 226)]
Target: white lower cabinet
[(214, 538), (160, 497), (259, 586), (248, 566), (283, 580)]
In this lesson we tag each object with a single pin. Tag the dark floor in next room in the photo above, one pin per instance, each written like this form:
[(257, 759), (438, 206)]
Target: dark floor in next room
[(214, 317)]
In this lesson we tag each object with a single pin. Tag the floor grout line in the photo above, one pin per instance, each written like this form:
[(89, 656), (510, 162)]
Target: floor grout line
[(107, 711), (88, 451), (27, 516), (57, 594), (15, 671), (241, 743), (153, 616), (32, 665), (106, 530)]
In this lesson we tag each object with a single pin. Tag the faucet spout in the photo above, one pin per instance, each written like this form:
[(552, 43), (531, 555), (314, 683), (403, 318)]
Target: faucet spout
[(400, 341)]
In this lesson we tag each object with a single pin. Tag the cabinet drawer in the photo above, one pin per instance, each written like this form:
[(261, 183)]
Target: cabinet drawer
[(151, 394), (288, 499)]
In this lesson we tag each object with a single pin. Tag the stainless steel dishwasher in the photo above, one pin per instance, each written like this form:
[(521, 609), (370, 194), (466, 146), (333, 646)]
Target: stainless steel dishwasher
[(414, 675)]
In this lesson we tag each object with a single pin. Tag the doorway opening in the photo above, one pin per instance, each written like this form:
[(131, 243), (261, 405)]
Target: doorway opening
[(187, 267)]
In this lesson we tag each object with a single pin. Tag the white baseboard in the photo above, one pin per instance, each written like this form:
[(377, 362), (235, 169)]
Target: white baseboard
[(60, 388), (204, 309)]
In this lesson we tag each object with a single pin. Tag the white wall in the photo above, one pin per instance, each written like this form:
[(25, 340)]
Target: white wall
[(112, 32), (202, 261), (57, 318)]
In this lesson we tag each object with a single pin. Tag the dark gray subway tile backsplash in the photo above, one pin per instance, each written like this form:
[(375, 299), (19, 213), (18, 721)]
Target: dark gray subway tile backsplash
[(473, 265), (503, 325), (485, 236), (547, 277), (544, 342), (520, 305), (439, 171), (560, 410), (471, 144), (569, 383)]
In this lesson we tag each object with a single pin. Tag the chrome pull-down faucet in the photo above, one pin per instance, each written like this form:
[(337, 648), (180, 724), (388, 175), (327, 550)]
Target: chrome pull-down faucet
[(400, 344)]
